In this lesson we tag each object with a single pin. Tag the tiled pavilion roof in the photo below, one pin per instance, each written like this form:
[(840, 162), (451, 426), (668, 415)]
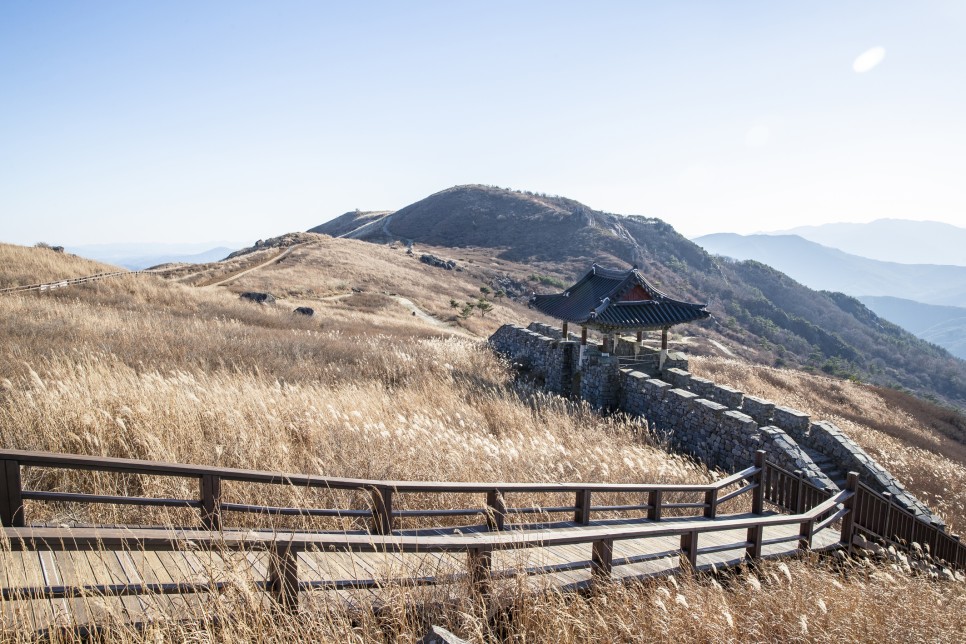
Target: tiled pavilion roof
[(614, 300)]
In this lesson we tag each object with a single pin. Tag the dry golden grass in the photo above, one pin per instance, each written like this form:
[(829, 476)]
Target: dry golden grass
[(803, 600), (140, 367), (23, 266)]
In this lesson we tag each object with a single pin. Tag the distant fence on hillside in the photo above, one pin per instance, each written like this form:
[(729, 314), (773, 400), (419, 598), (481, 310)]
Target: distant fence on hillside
[(59, 284)]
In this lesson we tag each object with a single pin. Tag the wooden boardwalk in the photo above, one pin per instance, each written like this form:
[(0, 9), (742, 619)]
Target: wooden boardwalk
[(351, 576), (92, 576)]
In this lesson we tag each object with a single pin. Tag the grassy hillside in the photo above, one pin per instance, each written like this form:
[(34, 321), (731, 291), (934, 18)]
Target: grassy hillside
[(758, 312), (147, 368), (23, 266)]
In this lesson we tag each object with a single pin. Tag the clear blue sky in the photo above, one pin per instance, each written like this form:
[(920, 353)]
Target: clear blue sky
[(195, 121)]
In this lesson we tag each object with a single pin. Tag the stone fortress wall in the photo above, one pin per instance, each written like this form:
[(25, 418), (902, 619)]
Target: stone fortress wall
[(719, 425)]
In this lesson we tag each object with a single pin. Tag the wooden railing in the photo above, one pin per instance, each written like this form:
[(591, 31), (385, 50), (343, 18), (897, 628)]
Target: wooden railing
[(72, 281), (859, 509), (284, 585), (51, 286), (879, 517), (383, 516), (790, 490)]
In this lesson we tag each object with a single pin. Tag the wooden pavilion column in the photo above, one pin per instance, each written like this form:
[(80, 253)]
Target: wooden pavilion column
[(663, 356), (640, 336), (583, 335), (566, 330)]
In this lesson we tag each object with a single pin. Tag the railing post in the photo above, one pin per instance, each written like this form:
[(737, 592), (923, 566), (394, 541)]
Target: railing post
[(689, 550), (654, 498), (601, 560), (283, 576), (753, 541), (758, 494), (582, 507), (799, 492), (495, 510), (888, 517), (211, 501), (11, 498), (382, 510), (805, 534), (848, 521), (479, 563), (711, 503)]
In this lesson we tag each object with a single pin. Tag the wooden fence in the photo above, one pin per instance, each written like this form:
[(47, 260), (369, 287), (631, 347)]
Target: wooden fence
[(381, 513), (858, 508), (64, 283), (51, 286)]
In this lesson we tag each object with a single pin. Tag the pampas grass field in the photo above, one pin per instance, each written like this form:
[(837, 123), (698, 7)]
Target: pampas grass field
[(141, 367)]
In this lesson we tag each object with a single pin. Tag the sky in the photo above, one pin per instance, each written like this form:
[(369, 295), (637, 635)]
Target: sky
[(192, 121)]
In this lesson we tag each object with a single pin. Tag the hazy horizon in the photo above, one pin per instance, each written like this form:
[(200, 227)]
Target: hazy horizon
[(130, 122)]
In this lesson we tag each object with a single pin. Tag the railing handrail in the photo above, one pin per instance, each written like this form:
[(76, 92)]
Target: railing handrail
[(160, 468), (32, 538)]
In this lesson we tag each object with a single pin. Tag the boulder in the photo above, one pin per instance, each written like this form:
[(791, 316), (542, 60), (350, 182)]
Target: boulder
[(439, 635), (305, 310), (260, 298), (438, 262)]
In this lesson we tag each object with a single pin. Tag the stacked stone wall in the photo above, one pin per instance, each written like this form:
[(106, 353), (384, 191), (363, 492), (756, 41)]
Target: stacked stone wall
[(790, 430), (719, 425), (828, 439), (600, 382), (711, 431)]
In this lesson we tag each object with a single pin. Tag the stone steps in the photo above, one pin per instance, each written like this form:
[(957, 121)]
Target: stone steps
[(828, 466)]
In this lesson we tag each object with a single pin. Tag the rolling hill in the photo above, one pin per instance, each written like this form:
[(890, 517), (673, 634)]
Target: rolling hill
[(758, 312)]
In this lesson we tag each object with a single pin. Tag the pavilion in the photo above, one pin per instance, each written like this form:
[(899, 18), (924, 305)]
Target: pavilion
[(613, 302)]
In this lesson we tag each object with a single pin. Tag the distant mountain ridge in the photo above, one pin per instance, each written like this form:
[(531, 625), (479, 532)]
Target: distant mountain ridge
[(824, 268), (942, 325), (138, 256), (760, 311), (892, 240)]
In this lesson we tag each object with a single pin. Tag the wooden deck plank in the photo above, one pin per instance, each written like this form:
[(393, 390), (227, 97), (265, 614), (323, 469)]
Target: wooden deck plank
[(150, 605), (43, 609), (62, 608), (150, 571), (107, 570), (19, 613), (100, 609), (344, 566), (178, 571)]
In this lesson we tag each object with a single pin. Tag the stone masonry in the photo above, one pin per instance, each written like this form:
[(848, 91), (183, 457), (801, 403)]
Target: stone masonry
[(719, 425)]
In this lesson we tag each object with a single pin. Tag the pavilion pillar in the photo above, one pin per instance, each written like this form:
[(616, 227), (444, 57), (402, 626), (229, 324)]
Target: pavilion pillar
[(640, 336), (663, 348), (583, 336), (566, 330)]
